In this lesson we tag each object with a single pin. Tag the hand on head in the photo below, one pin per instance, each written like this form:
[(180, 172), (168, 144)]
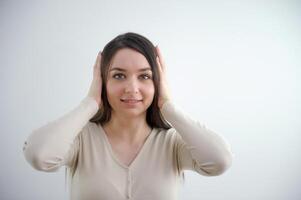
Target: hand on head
[(164, 89), (96, 85)]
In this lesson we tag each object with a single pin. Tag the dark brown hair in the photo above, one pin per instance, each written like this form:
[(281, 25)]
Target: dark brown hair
[(142, 45)]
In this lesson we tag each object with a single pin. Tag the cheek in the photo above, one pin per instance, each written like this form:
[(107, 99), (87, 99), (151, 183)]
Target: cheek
[(114, 90), (150, 90)]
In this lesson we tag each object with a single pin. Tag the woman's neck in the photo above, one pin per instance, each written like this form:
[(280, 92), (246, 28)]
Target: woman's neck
[(130, 130)]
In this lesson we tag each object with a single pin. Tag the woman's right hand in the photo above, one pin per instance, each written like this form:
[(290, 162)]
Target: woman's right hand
[(96, 85)]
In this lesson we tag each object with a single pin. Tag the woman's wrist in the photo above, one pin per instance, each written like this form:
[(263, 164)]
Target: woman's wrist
[(163, 102)]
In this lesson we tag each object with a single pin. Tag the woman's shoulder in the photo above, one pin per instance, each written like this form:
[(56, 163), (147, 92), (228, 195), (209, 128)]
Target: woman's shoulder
[(168, 134), (89, 129), (164, 130)]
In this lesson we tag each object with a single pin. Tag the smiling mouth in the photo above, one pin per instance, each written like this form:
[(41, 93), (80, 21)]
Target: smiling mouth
[(130, 100)]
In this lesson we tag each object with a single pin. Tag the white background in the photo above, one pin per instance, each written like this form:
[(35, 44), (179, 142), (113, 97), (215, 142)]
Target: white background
[(233, 64)]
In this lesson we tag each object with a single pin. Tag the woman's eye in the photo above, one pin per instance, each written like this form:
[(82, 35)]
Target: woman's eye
[(118, 76), (146, 76)]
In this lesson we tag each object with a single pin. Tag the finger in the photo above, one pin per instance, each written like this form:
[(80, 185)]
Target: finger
[(159, 64), (97, 71), (98, 59), (161, 60)]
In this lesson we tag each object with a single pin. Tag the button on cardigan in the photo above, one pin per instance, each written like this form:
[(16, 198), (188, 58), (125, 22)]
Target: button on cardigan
[(154, 174)]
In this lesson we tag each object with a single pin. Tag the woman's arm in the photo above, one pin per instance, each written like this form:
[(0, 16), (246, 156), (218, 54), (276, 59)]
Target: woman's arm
[(198, 148), (53, 145)]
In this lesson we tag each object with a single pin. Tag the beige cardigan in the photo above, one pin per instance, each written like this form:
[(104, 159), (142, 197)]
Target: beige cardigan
[(78, 144)]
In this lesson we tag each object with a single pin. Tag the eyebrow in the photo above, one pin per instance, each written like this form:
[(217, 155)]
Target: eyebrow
[(140, 70)]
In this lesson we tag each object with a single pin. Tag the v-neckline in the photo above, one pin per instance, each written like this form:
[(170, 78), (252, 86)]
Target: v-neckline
[(109, 146)]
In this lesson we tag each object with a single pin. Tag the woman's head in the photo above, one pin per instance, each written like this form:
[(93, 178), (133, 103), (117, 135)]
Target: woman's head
[(122, 62)]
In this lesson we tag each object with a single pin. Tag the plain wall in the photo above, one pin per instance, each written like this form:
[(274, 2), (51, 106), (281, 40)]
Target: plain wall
[(233, 64)]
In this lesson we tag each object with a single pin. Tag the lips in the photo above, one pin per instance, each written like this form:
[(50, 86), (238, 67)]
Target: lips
[(130, 100)]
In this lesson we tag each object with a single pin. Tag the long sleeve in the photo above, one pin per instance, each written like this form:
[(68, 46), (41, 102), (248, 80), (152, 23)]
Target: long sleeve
[(54, 144), (197, 147)]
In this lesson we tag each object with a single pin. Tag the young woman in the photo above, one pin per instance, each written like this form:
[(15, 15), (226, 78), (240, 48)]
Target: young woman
[(127, 139)]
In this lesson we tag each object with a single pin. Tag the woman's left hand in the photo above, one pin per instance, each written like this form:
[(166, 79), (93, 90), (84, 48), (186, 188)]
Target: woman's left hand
[(164, 89)]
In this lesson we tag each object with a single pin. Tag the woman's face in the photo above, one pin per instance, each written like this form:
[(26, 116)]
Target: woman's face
[(130, 88)]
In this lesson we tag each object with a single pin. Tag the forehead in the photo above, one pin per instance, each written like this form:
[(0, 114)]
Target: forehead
[(129, 60)]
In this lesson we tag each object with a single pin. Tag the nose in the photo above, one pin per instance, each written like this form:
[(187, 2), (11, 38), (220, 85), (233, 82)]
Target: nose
[(132, 86)]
